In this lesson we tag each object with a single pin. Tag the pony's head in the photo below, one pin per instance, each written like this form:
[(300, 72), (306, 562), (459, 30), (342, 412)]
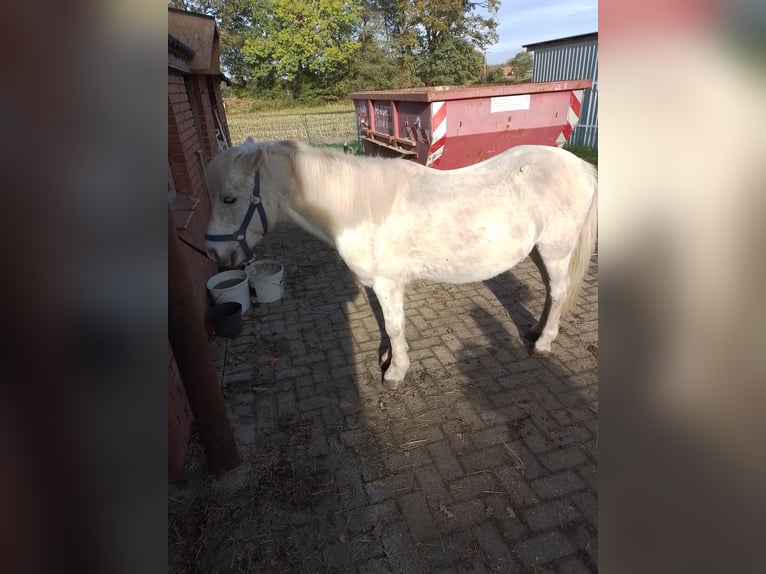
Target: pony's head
[(241, 212)]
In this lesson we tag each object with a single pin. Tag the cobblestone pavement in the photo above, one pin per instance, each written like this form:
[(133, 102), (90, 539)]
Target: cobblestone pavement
[(483, 460)]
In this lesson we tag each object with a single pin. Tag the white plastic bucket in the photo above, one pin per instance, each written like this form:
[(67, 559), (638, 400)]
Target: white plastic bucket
[(230, 286), (267, 278)]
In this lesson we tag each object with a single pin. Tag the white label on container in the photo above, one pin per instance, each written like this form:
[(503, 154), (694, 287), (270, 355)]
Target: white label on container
[(509, 103)]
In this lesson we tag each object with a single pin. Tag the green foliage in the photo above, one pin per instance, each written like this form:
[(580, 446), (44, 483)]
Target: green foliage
[(423, 35), (306, 45), (454, 61), (521, 67), (312, 51), (587, 153), (371, 69), (495, 75)]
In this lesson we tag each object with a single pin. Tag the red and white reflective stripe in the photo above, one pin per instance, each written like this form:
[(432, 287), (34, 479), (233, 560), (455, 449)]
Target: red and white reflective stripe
[(439, 137), (573, 117)]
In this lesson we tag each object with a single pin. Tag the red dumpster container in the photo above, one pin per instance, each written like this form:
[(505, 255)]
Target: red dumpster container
[(447, 127)]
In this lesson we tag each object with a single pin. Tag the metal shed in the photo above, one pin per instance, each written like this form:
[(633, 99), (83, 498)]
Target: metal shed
[(572, 58)]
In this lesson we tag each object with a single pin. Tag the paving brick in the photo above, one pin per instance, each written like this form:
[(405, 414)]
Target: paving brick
[(366, 518), (311, 403), (401, 472), (563, 458), (415, 510), (523, 460), (498, 556), (397, 543), (501, 415), (573, 566), (557, 484), (445, 461), (550, 515), (473, 486), (408, 459), (516, 486), (490, 437), (543, 548), (432, 485), (371, 470), (375, 566), (588, 505), (485, 459), (350, 488), (461, 515), (389, 486), (585, 540), (500, 509), (589, 473), (335, 556), (467, 414)]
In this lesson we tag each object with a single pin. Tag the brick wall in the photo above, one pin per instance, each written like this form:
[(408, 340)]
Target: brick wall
[(183, 142), (203, 100)]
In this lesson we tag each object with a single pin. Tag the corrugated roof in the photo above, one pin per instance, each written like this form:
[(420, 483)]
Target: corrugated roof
[(565, 40)]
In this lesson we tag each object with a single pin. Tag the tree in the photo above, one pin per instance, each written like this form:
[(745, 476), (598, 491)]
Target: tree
[(306, 43), (495, 75), (521, 67), (424, 34), (455, 61), (373, 67)]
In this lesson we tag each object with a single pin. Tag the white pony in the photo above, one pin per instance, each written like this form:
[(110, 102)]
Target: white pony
[(393, 220)]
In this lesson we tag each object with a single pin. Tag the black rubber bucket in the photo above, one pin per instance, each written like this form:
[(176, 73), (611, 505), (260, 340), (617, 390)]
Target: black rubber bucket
[(226, 318)]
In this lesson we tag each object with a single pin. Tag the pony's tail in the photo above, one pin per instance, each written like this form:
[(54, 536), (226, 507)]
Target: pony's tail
[(578, 265)]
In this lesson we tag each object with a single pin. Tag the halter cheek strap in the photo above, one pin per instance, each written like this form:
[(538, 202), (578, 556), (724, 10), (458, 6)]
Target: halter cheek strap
[(240, 236)]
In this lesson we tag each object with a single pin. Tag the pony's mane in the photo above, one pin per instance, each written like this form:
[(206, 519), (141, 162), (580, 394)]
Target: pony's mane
[(341, 190)]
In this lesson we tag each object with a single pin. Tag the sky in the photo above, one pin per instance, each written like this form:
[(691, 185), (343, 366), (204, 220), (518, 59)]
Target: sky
[(528, 21)]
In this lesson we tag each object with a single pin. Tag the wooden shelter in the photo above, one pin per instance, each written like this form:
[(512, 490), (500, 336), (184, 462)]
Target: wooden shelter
[(197, 130)]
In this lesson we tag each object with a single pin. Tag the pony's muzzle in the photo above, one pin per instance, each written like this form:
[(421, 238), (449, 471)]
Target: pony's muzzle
[(227, 257), (213, 253)]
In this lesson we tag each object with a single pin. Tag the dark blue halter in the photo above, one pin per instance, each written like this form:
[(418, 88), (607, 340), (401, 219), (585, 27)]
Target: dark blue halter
[(240, 235)]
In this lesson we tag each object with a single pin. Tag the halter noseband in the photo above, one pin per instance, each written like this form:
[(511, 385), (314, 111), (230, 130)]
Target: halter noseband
[(240, 235)]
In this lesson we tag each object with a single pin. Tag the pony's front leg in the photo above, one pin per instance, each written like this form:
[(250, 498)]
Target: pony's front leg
[(391, 298)]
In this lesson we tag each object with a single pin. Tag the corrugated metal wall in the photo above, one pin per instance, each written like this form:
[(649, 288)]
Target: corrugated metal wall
[(576, 61)]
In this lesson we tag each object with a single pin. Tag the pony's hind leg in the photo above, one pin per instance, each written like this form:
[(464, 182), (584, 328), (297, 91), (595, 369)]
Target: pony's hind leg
[(391, 298), (557, 285), (536, 330)]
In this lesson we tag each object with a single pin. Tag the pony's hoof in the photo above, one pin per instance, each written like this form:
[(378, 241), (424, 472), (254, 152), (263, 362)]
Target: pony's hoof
[(535, 352), (391, 385), (393, 377)]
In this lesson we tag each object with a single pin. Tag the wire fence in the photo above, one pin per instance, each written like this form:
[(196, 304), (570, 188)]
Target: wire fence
[(320, 128)]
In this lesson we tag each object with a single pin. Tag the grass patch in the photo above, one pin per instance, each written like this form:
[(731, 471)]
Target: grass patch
[(325, 127), (587, 153)]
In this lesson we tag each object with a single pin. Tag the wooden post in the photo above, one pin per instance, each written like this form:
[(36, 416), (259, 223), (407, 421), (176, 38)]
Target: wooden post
[(186, 332)]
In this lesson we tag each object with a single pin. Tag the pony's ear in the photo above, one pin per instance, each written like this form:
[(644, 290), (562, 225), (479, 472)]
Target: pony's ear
[(253, 158), (249, 139)]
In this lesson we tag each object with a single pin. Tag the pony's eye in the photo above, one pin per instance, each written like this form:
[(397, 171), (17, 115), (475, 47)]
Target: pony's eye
[(229, 199)]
